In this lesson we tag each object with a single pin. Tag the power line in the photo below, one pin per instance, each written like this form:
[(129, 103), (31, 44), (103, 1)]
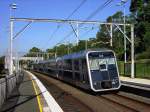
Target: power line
[(100, 8), (91, 29), (74, 11)]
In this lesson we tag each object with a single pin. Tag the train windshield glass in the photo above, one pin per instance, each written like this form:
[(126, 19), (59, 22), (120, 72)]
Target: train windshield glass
[(101, 60)]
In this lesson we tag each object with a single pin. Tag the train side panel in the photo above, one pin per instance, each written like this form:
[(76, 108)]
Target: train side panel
[(90, 70)]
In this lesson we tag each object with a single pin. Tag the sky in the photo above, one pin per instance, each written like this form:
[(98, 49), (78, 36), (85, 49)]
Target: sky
[(39, 34)]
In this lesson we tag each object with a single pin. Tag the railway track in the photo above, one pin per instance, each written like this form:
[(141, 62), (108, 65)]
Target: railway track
[(126, 102), (74, 100), (67, 102)]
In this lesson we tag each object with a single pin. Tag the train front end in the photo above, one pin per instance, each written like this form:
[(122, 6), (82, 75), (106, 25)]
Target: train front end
[(103, 70)]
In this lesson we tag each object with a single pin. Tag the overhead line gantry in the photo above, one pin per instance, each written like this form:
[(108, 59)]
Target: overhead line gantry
[(77, 22)]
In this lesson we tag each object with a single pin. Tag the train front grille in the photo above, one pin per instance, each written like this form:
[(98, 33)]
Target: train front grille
[(103, 85), (106, 84)]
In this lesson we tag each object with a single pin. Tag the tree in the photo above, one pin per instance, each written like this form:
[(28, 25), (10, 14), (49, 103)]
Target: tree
[(33, 52), (34, 49), (103, 35), (141, 11), (2, 62)]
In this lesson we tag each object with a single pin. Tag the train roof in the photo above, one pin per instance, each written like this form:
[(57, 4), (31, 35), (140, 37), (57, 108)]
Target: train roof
[(75, 55), (82, 54)]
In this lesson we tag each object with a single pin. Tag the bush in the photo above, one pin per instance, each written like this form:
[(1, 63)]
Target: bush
[(144, 55), (1, 68)]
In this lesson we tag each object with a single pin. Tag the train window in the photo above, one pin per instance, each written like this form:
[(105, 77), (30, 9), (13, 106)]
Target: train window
[(101, 64), (84, 67), (101, 60), (84, 70), (76, 64), (94, 65), (111, 61), (68, 64), (103, 67)]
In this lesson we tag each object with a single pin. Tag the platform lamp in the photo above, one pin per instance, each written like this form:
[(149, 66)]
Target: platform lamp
[(12, 6)]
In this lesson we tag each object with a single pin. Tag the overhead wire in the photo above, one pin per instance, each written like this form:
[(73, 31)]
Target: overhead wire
[(100, 8), (91, 29), (74, 11)]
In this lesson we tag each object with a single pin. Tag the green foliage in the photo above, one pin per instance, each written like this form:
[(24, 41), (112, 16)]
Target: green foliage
[(141, 11), (147, 35), (2, 62), (34, 49), (33, 52), (144, 55), (136, 5), (104, 36), (62, 50)]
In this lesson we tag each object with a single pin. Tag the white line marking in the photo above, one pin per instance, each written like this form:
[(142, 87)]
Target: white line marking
[(51, 102)]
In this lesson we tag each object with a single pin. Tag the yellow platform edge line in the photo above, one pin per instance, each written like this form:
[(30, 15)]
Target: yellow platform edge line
[(38, 98)]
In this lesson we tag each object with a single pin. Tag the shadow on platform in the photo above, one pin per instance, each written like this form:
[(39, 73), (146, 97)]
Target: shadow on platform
[(22, 99)]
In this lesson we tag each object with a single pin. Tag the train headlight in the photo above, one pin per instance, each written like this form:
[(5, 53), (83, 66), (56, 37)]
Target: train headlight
[(113, 81)]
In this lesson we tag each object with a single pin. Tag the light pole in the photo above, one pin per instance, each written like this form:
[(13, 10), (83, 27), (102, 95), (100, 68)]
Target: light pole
[(124, 21), (77, 32), (12, 6)]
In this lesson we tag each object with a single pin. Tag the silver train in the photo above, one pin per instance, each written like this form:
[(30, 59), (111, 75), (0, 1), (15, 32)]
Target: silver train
[(94, 70)]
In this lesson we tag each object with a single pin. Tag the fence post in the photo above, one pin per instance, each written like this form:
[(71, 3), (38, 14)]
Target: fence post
[(144, 70), (6, 88), (135, 69), (124, 69)]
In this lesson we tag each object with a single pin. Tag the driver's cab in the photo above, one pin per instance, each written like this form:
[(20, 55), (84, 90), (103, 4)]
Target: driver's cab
[(103, 69)]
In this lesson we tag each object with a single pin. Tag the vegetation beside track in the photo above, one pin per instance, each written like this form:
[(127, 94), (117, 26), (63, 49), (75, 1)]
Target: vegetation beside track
[(142, 68)]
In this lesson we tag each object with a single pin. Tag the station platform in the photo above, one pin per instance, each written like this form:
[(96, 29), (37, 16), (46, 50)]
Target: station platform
[(30, 96), (136, 83)]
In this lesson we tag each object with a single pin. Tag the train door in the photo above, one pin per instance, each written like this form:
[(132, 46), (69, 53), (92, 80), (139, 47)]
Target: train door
[(59, 69), (76, 70), (84, 71)]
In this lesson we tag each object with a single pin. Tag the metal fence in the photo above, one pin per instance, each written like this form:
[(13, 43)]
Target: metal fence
[(7, 84), (142, 70)]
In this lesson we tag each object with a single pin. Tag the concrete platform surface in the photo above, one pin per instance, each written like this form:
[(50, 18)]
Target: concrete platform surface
[(23, 98), (136, 82), (30, 96)]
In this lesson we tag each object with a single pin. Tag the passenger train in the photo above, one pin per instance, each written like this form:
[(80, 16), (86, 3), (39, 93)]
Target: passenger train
[(94, 70)]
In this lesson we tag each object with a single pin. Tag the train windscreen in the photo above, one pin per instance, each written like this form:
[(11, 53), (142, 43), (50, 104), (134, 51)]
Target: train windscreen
[(103, 70), (101, 60)]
